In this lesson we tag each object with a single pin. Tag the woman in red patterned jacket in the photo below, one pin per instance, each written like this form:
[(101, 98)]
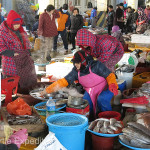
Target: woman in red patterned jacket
[(15, 51), (105, 48)]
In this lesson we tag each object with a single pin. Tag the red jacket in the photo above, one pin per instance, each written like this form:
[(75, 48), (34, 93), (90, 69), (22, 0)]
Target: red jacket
[(47, 26), (102, 46), (9, 41)]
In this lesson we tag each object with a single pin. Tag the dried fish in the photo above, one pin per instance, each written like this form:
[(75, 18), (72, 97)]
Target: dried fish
[(100, 123), (113, 127), (103, 130), (110, 131), (104, 119), (140, 127), (92, 125), (112, 121), (106, 124), (137, 134), (96, 129)]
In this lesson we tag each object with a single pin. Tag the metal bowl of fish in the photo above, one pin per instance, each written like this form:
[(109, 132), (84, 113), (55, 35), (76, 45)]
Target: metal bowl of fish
[(36, 93), (106, 127)]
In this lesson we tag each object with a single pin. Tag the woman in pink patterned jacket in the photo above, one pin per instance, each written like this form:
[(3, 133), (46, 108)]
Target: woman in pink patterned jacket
[(15, 51), (105, 48)]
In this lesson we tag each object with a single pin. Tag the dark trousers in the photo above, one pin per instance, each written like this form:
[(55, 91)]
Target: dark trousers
[(121, 26), (73, 35), (64, 38), (109, 29)]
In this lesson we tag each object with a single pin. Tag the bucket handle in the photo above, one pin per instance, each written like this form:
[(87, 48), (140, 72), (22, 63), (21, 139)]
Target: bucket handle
[(84, 129)]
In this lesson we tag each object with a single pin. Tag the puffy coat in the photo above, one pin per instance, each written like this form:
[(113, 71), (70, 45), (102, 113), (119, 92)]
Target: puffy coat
[(111, 17), (96, 67), (102, 46), (11, 44)]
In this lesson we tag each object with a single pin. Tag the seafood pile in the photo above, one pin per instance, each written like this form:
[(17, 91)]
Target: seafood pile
[(136, 135), (106, 126)]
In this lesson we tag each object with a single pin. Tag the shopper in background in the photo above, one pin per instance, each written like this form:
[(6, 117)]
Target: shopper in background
[(119, 18), (63, 24), (93, 17), (76, 24), (110, 18), (147, 12), (116, 32), (15, 51), (130, 20), (47, 29)]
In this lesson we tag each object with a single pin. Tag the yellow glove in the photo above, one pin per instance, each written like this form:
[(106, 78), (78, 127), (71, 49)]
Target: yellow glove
[(57, 85)]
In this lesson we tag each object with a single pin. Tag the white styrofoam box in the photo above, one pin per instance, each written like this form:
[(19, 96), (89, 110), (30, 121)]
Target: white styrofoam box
[(58, 70), (140, 38)]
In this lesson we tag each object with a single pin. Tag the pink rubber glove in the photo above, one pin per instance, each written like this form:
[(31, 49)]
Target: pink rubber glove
[(113, 88), (18, 137)]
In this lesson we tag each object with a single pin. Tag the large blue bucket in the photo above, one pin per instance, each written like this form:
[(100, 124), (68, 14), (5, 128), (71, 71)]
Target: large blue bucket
[(69, 128)]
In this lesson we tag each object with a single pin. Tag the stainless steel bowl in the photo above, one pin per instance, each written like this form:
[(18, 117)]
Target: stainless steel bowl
[(75, 100)]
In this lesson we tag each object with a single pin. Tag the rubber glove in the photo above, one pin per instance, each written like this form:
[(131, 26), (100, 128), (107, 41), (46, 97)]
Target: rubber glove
[(18, 137), (113, 88)]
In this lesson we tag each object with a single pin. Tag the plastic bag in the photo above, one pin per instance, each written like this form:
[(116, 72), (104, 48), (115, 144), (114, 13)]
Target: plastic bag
[(37, 44), (19, 107), (50, 143)]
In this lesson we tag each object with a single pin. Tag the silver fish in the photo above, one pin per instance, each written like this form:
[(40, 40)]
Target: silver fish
[(118, 125), (96, 129), (137, 134), (112, 121), (140, 127), (106, 124), (113, 127), (104, 119), (124, 139), (92, 125), (110, 131), (103, 130), (100, 123)]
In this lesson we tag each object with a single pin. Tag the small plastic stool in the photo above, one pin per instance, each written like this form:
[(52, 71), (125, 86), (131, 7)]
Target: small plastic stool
[(8, 84)]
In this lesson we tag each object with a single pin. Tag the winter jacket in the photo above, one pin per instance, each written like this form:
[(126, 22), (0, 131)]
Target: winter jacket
[(119, 15), (102, 46), (111, 17), (76, 23), (63, 20), (10, 43), (93, 13), (47, 26), (96, 67), (119, 37), (130, 19), (8, 147)]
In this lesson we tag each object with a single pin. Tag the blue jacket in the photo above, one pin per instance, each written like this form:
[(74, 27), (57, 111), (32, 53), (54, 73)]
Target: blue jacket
[(93, 13), (96, 67), (2, 19)]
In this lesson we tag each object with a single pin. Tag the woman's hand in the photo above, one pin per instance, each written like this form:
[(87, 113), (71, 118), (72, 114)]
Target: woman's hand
[(16, 54), (43, 93)]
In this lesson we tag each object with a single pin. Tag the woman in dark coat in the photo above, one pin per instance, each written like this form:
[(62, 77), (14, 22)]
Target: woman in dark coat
[(76, 24)]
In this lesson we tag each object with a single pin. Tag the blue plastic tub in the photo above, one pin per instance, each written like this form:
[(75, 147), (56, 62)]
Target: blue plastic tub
[(42, 112), (69, 128)]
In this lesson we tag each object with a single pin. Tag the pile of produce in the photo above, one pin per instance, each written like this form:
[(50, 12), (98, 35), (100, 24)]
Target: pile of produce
[(106, 126), (136, 135)]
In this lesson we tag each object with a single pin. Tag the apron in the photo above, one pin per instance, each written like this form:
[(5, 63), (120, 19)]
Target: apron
[(93, 84), (26, 70)]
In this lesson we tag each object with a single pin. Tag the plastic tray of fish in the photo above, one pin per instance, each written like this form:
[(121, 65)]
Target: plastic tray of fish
[(106, 127), (134, 148)]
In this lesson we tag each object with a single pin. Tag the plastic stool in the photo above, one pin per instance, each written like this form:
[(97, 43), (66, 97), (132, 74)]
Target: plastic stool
[(8, 84)]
